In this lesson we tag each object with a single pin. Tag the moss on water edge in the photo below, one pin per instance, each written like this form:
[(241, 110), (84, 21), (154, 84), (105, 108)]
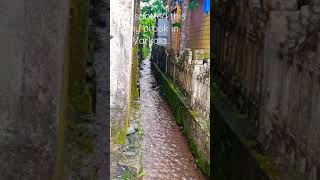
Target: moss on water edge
[(261, 164), (266, 163), (181, 112), (118, 135), (200, 161)]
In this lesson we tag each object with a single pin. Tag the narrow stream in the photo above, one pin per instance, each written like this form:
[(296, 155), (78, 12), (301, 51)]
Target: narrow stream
[(165, 150)]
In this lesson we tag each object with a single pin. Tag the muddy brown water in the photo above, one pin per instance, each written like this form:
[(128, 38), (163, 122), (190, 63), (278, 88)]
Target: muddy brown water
[(166, 154)]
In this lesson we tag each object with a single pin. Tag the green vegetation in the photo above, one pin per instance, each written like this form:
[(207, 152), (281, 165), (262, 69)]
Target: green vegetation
[(200, 161), (127, 175), (146, 33), (152, 9), (141, 174), (147, 24), (145, 52), (192, 5), (135, 75), (118, 135)]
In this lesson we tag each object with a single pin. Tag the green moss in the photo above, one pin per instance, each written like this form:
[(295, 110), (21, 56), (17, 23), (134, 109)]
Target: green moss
[(259, 164), (79, 40), (194, 113), (201, 163), (264, 161), (81, 98), (135, 75), (267, 165), (118, 134), (76, 98)]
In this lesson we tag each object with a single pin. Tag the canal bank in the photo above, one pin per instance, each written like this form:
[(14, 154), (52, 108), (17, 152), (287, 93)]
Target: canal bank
[(165, 149)]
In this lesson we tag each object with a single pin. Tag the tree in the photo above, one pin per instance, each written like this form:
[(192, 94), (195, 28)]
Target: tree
[(147, 18)]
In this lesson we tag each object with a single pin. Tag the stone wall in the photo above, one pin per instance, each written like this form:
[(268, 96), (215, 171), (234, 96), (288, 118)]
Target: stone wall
[(197, 132), (192, 76), (32, 49), (267, 60)]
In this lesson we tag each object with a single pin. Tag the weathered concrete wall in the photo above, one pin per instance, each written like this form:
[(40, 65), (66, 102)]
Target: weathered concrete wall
[(100, 36), (126, 163), (266, 62), (191, 75), (121, 31), (197, 132), (32, 50), (232, 158)]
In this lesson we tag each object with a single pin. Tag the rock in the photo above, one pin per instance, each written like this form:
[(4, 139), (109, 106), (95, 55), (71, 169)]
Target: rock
[(132, 130), (130, 153)]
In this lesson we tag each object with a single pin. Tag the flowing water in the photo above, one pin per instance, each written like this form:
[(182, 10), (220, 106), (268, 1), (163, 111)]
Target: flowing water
[(165, 150)]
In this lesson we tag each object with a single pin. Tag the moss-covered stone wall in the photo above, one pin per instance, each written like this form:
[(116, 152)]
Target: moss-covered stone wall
[(198, 137)]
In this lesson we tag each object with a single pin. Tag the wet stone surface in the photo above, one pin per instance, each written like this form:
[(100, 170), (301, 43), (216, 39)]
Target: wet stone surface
[(166, 154)]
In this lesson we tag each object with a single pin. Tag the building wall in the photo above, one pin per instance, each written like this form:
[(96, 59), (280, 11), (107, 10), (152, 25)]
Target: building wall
[(198, 29), (32, 49), (193, 37), (174, 31), (121, 31), (265, 60)]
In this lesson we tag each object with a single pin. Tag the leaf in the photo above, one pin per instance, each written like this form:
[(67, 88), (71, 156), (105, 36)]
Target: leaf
[(141, 174)]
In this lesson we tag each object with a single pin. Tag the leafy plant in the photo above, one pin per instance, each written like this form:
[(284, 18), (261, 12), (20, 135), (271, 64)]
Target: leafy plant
[(145, 52), (146, 10), (140, 131), (141, 174), (158, 7), (193, 5), (127, 175), (147, 22)]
